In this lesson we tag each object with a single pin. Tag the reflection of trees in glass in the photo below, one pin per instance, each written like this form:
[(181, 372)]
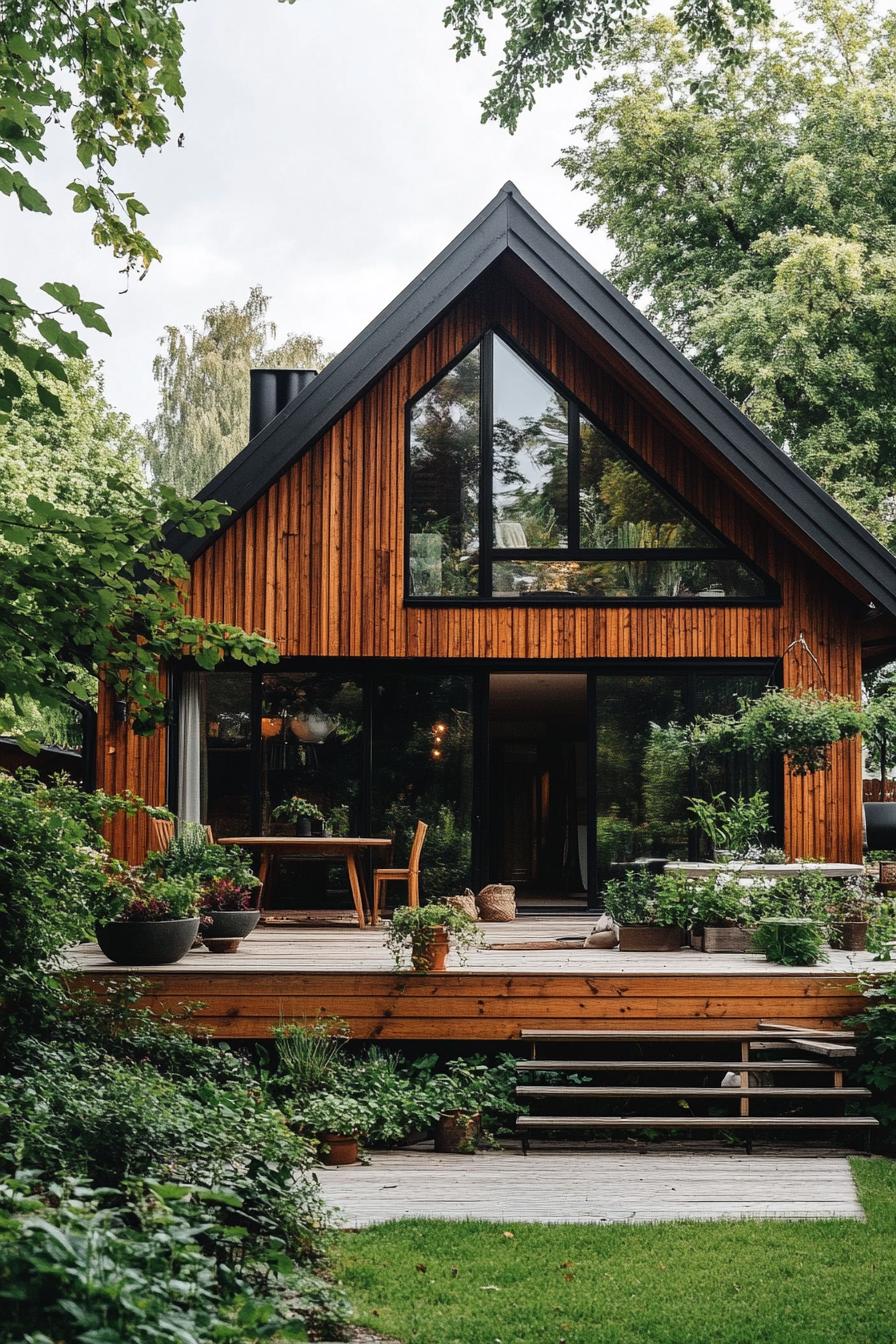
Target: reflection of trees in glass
[(628, 578), (530, 451), (620, 506), (444, 483), (423, 770)]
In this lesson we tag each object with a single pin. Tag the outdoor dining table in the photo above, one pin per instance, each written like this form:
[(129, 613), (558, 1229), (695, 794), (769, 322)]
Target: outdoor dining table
[(345, 848)]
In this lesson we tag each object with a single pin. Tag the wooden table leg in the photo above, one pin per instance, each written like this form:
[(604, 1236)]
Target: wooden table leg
[(264, 865), (355, 882)]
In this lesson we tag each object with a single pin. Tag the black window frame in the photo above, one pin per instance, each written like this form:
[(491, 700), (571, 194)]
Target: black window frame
[(489, 553)]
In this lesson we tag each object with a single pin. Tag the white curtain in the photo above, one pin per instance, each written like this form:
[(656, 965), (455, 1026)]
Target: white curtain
[(191, 773)]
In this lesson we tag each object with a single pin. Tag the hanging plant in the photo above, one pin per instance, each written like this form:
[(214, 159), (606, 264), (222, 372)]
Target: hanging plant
[(803, 724)]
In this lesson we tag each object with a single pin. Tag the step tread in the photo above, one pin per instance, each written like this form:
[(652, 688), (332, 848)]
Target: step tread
[(694, 1122), (669, 1065), (753, 1033), (833, 1092)]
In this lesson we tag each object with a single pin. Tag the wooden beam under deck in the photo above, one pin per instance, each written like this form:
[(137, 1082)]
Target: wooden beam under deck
[(298, 974)]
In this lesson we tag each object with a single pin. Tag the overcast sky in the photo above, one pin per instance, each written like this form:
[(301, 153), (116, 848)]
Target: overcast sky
[(331, 148)]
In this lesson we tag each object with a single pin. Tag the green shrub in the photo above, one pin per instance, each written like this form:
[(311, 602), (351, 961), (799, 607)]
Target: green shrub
[(790, 942), (640, 897), (882, 930), (876, 1069), (192, 855), (732, 823), (162, 1265)]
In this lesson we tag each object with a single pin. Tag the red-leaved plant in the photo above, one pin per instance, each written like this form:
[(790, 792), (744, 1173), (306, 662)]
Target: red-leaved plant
[(143, 908), (223, 894)]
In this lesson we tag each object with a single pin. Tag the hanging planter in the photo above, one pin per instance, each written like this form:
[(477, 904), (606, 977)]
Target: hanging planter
[(803, 724)]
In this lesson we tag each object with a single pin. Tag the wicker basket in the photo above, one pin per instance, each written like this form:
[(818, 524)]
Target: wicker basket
[(649, 938), (465, 903), (497, 903), (729, 939)]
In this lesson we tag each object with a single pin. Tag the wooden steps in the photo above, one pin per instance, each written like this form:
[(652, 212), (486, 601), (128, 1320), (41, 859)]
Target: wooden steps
[(817, 1106), (718, 1093), (667, 1065), (530, 1122)]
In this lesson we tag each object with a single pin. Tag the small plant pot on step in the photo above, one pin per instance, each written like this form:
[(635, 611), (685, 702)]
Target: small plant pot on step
[(229, 923), (157, 942), (338, 1150), (457, 1131), (649, 938), (851, 935), (222, 944)]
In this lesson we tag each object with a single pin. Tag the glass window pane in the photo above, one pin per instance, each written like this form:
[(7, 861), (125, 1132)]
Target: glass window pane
[(622, 507), (311, 727), (737, 773), (708, 579), (423, 770), (227, 744), (641, 783), (530, 447), (443, 527)]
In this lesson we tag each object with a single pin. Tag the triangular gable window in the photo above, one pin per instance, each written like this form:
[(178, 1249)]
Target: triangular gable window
[(515, 493)]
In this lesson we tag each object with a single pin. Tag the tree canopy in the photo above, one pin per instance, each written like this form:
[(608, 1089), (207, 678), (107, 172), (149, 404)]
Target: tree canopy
[(109, 75), (203, 378), (753, 209), (545, 40), (88, 587)]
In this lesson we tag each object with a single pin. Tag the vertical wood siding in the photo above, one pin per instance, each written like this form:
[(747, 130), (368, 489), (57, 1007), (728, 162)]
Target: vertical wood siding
[(317, 564)]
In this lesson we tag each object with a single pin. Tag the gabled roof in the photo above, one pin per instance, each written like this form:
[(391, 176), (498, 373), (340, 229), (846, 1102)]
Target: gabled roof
[(510, 227)]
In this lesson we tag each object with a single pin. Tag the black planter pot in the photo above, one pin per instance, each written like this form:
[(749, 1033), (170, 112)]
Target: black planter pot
[(229, 923), (303, 828), (156, 942)]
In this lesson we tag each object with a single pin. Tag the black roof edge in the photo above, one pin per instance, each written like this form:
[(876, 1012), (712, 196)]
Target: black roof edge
[(509, 224)]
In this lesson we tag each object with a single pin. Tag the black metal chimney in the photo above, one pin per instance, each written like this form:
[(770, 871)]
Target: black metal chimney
[(272, 389)]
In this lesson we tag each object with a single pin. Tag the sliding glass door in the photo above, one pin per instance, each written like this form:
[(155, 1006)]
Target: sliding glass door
[(545, 775)]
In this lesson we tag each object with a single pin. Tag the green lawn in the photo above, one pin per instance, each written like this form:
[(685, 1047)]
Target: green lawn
[(675, 1283)]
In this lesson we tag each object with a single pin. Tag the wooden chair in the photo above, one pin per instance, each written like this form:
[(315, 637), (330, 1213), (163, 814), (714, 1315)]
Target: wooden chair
[(410, 875), (163, 834)]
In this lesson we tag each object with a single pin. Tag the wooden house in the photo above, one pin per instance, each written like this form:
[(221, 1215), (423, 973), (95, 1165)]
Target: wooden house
[(502, 542)]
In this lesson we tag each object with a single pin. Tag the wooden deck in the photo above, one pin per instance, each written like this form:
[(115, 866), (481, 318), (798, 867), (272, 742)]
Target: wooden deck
[(589, 1187), (298, 974)]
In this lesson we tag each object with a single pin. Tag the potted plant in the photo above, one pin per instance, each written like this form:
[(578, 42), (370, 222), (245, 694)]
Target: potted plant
[(227, 912), (427, 932), (650, 909), (733, 826), (850, 909), (337, 1122), (305, 816), (726, 909), (803, 724), (790, 941), (155, 921)]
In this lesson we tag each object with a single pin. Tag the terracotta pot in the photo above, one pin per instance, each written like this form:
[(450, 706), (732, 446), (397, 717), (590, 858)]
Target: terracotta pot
[(270, 727), (850, 935), (222, 944), (430, 955), (457, 1131), (151, 942), (338, 1150), (649, 938)]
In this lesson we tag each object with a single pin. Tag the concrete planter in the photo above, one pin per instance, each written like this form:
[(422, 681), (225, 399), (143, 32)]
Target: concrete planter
[(157, 942)]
